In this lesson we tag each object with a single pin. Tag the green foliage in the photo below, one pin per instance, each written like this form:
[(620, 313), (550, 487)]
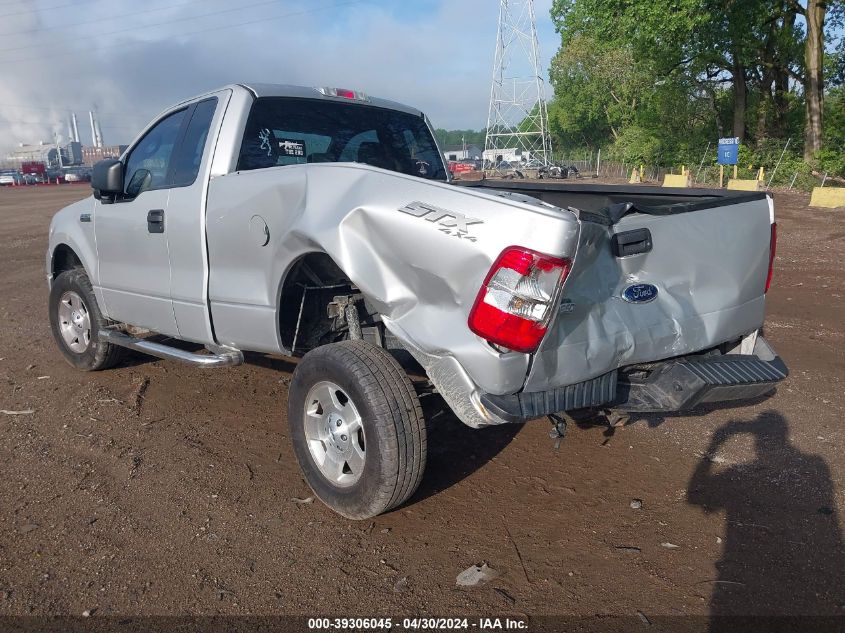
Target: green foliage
[(835, 120), (831, 161), (792, 171), (655, 82), (448, 138)]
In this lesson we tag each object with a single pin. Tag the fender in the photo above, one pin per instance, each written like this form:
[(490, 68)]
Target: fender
[(69, 228), (73, 227)]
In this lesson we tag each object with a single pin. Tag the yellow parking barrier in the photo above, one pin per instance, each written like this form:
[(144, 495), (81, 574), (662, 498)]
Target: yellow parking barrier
[(739, 184), (677, 180), (828, 197)]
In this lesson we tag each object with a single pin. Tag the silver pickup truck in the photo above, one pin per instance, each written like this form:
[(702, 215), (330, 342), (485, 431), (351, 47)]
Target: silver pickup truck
[(322, 223)]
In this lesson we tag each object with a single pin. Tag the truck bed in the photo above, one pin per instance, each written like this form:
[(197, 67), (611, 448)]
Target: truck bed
[(703, 253), (597, 199)]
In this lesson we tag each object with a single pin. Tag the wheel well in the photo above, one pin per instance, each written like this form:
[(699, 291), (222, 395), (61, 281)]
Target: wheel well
[(64, 259), (312, 283)]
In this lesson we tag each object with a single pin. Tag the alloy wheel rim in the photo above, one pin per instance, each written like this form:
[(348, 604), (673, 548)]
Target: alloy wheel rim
[(74, 322), (334, 434)]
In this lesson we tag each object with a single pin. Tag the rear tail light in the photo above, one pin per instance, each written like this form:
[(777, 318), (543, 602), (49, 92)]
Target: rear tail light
[(516, 302), (772, 247)]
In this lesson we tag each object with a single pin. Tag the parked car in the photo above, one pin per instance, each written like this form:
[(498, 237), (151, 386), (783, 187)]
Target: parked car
[(534, 163), (559, 170), (503, 165), (77, 175), (323, 224), (9, 177), (457, 167)]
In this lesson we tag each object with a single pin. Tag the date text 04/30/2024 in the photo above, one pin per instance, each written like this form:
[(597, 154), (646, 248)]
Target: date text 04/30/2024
[(414, 624)]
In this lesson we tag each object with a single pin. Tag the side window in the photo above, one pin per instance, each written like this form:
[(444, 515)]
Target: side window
[(153, 153), (186, 161)]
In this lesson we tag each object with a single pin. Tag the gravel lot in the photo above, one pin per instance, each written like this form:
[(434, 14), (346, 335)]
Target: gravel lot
[(157, 488)]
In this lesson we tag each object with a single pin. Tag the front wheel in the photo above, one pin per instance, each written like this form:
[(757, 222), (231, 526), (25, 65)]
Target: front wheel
[(76, 321), (357, 428)]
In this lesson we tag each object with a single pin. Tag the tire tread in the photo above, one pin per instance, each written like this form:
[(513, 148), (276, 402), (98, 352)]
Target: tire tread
[(105, 354), (396, 405)]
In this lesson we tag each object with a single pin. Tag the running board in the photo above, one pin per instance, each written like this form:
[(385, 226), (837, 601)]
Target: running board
[(225, 357)]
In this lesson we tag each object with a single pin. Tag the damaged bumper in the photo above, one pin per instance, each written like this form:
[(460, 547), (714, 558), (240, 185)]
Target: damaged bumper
[(674, 385), (680, 385)]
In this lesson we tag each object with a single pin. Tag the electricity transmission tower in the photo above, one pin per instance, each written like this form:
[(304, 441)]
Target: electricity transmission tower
[(517, 119)]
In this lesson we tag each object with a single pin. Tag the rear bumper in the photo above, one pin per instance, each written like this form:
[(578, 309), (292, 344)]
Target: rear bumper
[(674, 385), (680, 385)]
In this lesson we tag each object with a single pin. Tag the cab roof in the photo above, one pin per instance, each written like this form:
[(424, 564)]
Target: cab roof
[(307, 92)]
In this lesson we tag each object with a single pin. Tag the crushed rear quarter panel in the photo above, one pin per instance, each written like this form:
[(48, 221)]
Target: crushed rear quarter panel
[(422, 272)]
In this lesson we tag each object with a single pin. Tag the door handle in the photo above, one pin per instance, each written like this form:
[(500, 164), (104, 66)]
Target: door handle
[(632, 242), (155, 221)]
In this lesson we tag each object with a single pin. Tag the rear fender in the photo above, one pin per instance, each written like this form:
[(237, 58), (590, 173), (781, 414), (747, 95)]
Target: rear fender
[(418, 250)]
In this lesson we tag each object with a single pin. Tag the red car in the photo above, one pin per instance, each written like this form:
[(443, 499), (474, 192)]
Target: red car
[(456, 167)]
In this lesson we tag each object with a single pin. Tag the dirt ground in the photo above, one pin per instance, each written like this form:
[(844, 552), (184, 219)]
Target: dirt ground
[(157, 488)]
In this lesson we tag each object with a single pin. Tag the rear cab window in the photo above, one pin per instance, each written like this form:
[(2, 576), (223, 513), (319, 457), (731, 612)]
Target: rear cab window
[(293, 131)]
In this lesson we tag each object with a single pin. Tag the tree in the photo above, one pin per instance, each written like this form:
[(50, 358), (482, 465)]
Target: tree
[(639, 66), (813, 74), (453, 138), (628, 70)]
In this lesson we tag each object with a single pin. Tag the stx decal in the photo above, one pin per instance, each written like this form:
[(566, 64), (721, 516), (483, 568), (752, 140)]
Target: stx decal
[(450, 222)]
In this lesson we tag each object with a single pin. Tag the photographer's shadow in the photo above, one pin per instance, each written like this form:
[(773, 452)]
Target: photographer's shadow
[(783, 550)]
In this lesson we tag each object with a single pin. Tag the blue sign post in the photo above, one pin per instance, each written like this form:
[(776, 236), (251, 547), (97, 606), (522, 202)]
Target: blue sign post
[(728, 155), (728, 151)]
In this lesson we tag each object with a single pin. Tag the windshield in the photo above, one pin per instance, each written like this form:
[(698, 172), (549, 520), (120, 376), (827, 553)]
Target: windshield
[(288, 131)]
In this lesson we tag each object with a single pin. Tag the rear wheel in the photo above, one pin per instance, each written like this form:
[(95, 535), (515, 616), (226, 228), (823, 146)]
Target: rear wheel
[(75, 320), (357, 428)]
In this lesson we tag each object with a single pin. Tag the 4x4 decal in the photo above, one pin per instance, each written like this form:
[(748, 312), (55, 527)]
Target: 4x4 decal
[(449, 222)]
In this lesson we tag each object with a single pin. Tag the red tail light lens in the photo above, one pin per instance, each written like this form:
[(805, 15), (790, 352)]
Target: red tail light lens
[(772, 248), (516, 302)]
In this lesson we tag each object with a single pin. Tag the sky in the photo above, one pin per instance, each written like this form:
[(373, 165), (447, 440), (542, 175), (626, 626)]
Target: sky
[(130, 63)]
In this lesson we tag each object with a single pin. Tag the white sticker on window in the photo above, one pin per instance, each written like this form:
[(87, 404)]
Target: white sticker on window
[(291, 147)]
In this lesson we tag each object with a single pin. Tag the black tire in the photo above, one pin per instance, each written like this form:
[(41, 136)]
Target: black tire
[(97, 355), (392, 422)]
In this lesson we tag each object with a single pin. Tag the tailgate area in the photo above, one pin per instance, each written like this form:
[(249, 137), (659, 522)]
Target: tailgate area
[(683, 384), (675, 385), (696, 283)]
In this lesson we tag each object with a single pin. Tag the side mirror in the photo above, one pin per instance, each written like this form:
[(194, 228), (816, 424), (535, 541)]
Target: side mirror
[(140, 182), (107, 177)]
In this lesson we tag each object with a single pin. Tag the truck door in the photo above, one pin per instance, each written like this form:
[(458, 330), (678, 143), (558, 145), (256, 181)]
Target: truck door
[(190, 172), (131, 233)]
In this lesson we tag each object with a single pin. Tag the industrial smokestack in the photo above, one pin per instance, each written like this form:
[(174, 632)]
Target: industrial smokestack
[(99, 132), (74, 126), (93, 129)]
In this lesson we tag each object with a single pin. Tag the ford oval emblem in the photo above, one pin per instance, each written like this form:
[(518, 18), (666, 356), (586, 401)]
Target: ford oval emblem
[(640, 293)]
